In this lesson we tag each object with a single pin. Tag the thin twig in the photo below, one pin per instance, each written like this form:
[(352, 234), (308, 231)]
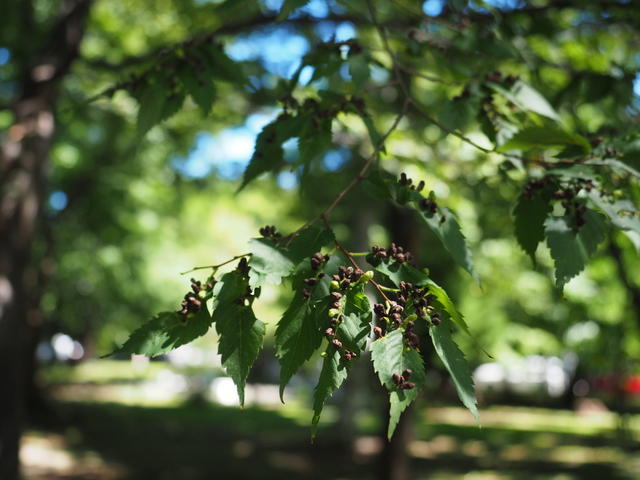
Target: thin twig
[(405, 89), (358, 178), (431, 78), (349, 256), (215, 267)]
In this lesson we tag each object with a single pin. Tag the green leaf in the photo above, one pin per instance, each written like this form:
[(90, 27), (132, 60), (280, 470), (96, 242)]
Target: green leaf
[(200, 87), (165, 332), (288, 7), (271, 261), (354, 330), (445, 226), (616, 166), (455, 363), (544, 137), (621, 212), (151, 96), (359, 69), (241, 333), (397, 272), (315, 139), (530, 213), (269, 154), (525, 97), (333, 373), (298, 335), (571, 251), (389, 357), (447, 304)]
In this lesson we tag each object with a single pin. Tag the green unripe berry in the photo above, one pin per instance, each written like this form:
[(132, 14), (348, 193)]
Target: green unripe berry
[(334, 312), (202, 294), (334, 285)]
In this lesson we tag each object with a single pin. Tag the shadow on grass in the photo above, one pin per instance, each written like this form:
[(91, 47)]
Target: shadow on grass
[(203, 442)]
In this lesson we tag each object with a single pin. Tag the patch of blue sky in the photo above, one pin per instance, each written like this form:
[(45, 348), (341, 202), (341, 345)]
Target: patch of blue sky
[(636, 84), (340, 32), (58, 200), (433, 8), (334, 160), (504, 5), (279, 49), (5, 56), (226, 153), (287, 180)]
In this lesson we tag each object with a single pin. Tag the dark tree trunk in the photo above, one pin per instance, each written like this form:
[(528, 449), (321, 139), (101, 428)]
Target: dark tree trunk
[(23, 177)]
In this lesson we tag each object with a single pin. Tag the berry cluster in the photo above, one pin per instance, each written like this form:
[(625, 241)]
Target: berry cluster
[(192, 302), (317, 260), (394, 252), (400, 380), (535, 184), (269, 231), (336, 305), (408, 182), (497, 77), (421, 301), (345, 277), (310, 282), (411, 303), (576, 208), (430, 206)]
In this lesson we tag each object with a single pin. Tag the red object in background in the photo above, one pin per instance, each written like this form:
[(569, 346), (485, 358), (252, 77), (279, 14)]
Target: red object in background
[(632, 385), (607, 383)]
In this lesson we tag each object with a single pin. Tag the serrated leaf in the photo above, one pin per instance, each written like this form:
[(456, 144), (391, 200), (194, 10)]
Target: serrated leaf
[(455, 363), (333, 373), (200, 87), (271, 261), (544, 137), (288, 7), (151, 98), (398, 272), (315, 139), (298, 335), (447, 304), (621, 212), (218, 65), (529, 215), (389, 357), (525, 97), (354, 330), (269, 154), (445, 226), (241, 333), (617, 166), (165, 332), (571, 251)]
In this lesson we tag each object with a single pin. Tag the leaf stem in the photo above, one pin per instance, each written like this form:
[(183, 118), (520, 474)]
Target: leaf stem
[(216, 267), (350, 256)]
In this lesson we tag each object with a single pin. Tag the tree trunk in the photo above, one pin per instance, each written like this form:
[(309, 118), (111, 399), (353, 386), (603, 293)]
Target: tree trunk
[(23, 177)]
